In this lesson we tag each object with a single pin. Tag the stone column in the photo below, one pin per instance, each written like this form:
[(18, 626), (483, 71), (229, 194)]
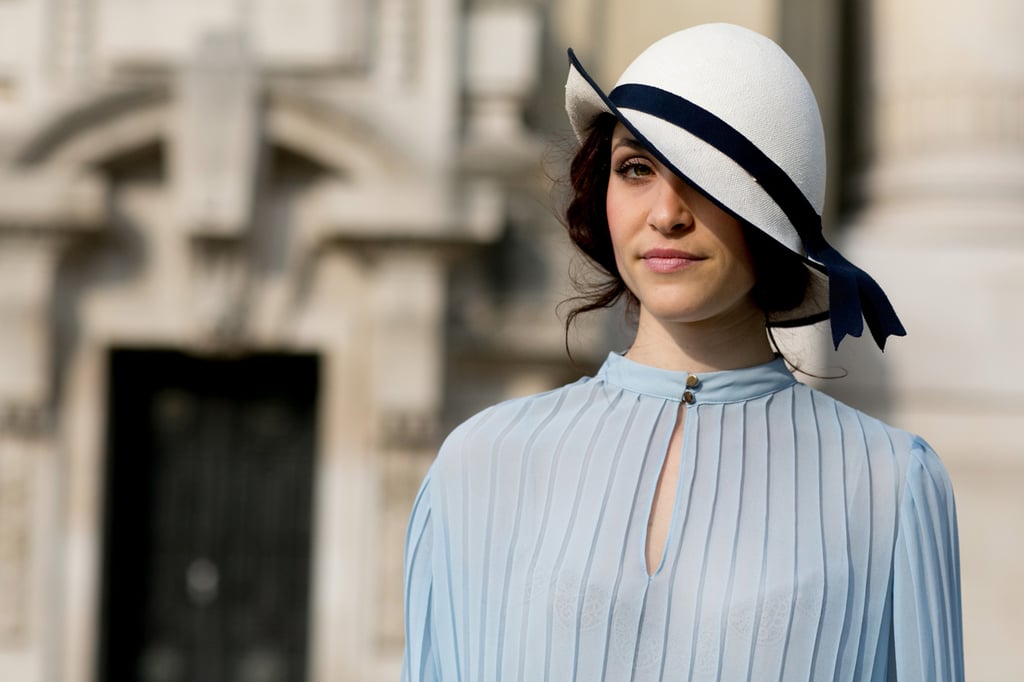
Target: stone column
[(406, 356), (28, 450), (26, 447), (40, 211), (942, 229)]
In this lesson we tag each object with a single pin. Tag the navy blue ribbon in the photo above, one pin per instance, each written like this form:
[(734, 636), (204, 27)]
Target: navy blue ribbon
[(854, 297)]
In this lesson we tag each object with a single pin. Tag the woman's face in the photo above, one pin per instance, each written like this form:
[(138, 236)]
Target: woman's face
[(684, 258)]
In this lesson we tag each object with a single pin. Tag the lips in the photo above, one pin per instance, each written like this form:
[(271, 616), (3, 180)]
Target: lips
[(669, 260)]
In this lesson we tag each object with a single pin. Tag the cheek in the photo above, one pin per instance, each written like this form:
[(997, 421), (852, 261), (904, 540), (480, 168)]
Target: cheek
[(734, 243), (612, 207), (616, 223), (743, 267)]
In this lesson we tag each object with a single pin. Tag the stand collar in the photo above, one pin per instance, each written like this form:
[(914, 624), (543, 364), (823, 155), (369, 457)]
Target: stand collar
[(728, 386)]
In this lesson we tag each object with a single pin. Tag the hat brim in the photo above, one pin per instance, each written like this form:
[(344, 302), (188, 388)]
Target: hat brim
[(705, 166)]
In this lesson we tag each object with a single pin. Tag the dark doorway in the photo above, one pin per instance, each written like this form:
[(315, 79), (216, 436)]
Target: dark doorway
[(208, 518)]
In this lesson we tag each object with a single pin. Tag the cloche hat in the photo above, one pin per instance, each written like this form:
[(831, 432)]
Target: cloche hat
[(729, 112)]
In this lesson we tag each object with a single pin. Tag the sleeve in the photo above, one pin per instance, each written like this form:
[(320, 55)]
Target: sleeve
[(418, 664), (927, 620)]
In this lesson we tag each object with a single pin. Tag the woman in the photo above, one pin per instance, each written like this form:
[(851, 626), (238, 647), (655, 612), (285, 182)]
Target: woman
[(692, 512)]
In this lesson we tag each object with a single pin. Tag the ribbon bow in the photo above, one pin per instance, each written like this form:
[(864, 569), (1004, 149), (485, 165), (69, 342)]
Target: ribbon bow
[(853, 296)]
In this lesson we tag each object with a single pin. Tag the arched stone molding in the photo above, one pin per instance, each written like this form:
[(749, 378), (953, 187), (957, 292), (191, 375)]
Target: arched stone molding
[(338, 140), (108, 126), (97, 127), (103, 126)]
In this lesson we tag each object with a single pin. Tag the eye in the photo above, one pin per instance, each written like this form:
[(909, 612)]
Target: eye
[(634, 168)]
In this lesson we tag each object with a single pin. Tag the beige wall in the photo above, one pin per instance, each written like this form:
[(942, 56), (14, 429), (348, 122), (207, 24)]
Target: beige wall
[(610, 33)]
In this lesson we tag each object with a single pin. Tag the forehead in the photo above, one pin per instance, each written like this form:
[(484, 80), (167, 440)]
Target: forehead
[(622, 136)]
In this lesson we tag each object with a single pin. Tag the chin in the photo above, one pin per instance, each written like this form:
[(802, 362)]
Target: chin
[(677, 313), (681, 311)]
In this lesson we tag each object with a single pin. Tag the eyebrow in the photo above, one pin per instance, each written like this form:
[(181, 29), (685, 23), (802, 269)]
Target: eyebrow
[(629, 142)]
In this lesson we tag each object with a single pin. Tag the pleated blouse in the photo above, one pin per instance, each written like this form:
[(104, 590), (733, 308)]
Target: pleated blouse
[(808, 541)]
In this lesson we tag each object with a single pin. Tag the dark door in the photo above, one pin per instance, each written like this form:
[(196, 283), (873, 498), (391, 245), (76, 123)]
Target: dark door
[(208, 514)]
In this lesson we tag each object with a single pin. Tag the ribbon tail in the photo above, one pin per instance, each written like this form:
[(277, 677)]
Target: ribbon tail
[(854, 297), (844, 311), (878, 311)]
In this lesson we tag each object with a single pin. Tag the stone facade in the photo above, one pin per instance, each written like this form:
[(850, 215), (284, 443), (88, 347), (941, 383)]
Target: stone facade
[(368, 182), (938, 199)]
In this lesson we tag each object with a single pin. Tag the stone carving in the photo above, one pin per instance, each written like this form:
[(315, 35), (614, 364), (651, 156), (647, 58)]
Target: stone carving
[(216, 143), (15, 505), (501, 67), (215, 164), (401, 474), (407, 430), (26, 280), (220, 292)]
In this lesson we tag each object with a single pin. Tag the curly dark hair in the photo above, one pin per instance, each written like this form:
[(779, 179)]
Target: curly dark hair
[(781, 280)]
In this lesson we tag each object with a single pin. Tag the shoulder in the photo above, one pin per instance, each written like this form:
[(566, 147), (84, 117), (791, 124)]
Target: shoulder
[(927, 475), (859, 433), (895, 463)]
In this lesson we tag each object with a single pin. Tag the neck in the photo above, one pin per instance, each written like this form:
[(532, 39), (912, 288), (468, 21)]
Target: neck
[(734, 341)]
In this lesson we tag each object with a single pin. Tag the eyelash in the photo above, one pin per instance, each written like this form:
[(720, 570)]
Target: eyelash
[(626, 168)]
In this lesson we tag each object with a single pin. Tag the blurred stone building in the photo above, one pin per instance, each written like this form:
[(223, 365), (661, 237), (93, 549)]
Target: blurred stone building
[(256, 257)]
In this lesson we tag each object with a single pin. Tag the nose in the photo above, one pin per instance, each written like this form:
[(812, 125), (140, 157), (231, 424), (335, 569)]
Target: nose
[(668, 212)]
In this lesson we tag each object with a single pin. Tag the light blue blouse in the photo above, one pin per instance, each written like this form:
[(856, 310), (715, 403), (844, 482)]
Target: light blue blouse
[(808, 541)]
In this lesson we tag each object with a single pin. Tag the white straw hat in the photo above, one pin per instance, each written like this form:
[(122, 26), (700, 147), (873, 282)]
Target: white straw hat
[(728, 111)]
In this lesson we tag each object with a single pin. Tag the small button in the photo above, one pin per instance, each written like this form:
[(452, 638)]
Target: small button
[(688, 397), (692, 381)]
